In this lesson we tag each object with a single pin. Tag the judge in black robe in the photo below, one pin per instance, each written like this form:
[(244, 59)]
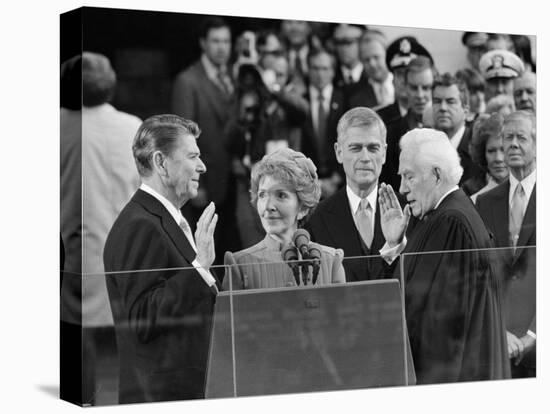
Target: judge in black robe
[(452, 294)]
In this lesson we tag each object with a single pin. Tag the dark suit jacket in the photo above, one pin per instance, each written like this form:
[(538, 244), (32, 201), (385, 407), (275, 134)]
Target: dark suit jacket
[(517, 269), (197, 98), (360, 93), (332, 224), (324, 156), (389, 113), (471, 169), (162, 317), (395, 130)]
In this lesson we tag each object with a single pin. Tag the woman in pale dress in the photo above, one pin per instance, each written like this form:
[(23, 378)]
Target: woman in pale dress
[(284, 190)]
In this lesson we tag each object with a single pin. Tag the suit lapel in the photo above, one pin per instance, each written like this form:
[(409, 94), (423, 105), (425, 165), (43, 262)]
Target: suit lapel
[(339, 221), (529, 225), (463, 144), (173, 230), (213, 93), (378, 239), (501, 213)]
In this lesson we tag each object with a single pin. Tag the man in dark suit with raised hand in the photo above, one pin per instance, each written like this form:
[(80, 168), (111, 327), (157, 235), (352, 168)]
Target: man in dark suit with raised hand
[(160, 289), (350, 219), (509, 211)]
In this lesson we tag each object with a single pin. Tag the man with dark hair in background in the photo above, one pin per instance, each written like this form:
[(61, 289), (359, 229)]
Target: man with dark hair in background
[(373, 57), (398, 55), (449, 106), (419, 77), (204, 92), (319, 131)]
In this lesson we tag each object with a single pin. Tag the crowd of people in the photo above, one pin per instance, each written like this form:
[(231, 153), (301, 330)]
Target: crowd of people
[(361, 142)]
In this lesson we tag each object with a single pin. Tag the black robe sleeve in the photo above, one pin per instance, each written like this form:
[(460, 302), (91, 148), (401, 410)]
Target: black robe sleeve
[(452, 304)]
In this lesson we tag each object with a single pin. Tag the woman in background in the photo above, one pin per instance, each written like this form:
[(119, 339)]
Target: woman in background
[(284, 190), (487, 151)]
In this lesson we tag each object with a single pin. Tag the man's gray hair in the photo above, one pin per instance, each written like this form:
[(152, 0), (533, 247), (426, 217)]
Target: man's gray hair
[(433, 149), (525, 115), (360, 117)]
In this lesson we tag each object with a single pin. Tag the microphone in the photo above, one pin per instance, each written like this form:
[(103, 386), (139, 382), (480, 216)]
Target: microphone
[(290, 256), (315, 257), (301, 240)]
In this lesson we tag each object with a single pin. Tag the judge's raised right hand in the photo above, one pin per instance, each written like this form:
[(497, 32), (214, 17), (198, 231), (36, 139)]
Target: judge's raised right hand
[(393, 220), (204, 236)]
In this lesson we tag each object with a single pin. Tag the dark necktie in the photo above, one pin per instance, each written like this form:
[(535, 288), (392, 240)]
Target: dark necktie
[(223, 82), (321, 118)]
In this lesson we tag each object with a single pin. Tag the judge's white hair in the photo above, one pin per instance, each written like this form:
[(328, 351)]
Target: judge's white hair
[(433, 149)]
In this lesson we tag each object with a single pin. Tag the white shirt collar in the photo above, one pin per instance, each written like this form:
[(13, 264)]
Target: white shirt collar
[(445, 195), (355, 72), (174, 212), (355, 200), (528, 184), (211, 69), (457, 137)]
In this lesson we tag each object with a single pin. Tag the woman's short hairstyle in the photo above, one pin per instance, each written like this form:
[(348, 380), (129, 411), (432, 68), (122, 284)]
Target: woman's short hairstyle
[(485, 127), (360, 117), (293, 169), (159, 133), (433, 149)]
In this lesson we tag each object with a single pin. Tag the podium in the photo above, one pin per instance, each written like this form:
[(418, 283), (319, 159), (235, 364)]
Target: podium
[(305, 339)]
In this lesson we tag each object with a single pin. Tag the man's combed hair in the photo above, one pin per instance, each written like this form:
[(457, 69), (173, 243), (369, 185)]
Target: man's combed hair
[(210, 23), (448, 80), (359, 117), (433, 149), (159, 133)]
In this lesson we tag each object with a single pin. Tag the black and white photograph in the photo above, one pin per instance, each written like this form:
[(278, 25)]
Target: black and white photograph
[(318, 207)]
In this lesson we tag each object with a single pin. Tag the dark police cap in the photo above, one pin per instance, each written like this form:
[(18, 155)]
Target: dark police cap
[(404, 49)]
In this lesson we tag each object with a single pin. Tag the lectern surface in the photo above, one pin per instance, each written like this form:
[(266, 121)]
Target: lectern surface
[(308, 339)]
